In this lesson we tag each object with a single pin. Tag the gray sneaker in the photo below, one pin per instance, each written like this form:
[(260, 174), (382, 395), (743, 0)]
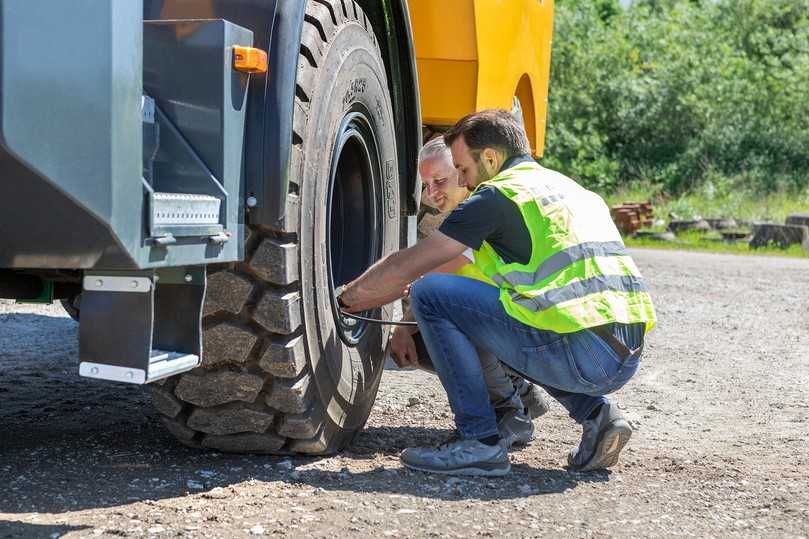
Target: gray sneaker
[(601, 441), (515, 428), (461, 457), (532, 397), (534, 401)]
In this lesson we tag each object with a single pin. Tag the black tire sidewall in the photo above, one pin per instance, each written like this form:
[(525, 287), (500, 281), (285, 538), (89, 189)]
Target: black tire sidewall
[(350, 77)]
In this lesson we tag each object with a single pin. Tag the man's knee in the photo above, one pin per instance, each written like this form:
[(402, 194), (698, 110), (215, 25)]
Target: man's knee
[(421, 294)]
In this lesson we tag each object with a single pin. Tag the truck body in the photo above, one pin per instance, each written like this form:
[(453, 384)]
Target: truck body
[(195, 211)]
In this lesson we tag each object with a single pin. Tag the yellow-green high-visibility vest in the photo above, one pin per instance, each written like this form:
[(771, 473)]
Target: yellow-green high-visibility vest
[(473, 269), (579, 275)]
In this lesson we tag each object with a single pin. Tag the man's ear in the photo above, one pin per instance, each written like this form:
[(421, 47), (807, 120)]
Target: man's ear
[(492, 161)]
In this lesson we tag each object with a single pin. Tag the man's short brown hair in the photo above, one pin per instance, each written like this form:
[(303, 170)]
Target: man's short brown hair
[(492, 128)]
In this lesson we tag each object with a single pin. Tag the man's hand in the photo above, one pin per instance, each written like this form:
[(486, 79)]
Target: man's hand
[(387, 280), (376, 302), (403, 348)]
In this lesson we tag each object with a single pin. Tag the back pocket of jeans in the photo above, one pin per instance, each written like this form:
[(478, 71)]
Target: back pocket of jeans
[(552, 364), (593, 365)]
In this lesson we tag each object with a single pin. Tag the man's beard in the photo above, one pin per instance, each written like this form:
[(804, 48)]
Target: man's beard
[(482, 175)]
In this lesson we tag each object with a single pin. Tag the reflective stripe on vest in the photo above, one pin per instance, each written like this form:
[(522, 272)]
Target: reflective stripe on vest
[(556, 263), (579, 289), (579, 274)]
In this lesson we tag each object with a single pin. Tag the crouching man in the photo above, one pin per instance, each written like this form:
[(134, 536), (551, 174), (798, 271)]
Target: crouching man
[(569, 312), (516, 402)]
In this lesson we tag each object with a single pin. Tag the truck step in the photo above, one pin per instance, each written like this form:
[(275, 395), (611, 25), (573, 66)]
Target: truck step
[(185, 209), (162, 364), (182, 214), (141, 326)]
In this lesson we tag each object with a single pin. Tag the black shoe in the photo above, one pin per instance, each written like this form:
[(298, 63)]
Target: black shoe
[(602, 440)]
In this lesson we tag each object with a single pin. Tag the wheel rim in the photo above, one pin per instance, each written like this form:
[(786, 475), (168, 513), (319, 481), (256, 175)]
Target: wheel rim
[(353, 234)]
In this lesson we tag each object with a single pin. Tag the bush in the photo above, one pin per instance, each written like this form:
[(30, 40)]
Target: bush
[(673, 92)]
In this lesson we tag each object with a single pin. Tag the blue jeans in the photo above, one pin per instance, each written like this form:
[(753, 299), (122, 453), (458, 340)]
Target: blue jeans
[(457, 314)]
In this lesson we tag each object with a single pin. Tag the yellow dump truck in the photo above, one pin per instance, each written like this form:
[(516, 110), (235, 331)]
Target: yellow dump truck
[(213, 169)]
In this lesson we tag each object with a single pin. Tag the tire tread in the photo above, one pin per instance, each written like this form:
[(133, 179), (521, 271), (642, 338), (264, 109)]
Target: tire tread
[(255, 392)]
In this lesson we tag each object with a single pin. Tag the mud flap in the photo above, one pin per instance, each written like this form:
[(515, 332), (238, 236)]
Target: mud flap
[(139, 327)]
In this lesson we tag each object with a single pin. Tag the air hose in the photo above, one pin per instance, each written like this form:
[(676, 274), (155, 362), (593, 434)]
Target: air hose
[(339, 290), (377, 321)]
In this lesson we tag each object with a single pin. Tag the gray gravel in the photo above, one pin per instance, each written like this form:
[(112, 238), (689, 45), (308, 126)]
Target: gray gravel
[(720, 409)]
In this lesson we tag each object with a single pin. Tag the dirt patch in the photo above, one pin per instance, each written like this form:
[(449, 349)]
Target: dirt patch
[(720, 409)]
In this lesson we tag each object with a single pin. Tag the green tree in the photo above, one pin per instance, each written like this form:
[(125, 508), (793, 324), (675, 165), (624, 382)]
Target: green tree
[(676, 91)]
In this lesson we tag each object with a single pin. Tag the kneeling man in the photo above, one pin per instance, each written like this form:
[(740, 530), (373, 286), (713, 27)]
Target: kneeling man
[(570, 310), (516, 401)]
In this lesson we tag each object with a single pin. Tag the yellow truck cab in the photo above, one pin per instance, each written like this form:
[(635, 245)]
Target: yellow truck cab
[(478, 54)]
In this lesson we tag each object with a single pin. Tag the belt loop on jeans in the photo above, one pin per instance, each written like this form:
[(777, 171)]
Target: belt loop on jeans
[(606, 335)]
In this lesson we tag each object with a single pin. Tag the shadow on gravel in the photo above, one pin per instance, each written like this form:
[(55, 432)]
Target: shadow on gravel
[(12, 324), (53, 483), (524, 481), (68, 473), (41, 391), (392, 440), (70, 444), (20, 529)]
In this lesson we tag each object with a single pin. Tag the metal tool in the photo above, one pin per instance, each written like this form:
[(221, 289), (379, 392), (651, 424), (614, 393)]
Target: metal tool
[(339, 290)]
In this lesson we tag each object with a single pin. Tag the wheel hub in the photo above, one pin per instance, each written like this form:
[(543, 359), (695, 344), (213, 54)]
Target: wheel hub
[(354, 234)]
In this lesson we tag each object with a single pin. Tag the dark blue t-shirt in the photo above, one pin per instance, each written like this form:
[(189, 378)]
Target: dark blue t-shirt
[(488, 215)]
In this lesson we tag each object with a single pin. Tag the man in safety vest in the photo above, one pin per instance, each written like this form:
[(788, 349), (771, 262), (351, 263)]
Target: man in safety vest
[(516, 402), (570, 310)]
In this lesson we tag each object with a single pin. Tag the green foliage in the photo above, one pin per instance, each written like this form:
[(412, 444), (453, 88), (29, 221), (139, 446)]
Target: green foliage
[(680, 93), (716, 197), (697, 242)]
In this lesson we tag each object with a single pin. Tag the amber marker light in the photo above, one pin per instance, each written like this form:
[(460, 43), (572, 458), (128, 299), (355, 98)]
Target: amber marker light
[(249, 60)]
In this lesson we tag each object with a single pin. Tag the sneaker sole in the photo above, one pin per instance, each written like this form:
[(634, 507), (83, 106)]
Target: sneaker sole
[(609, 447), (474, 472)]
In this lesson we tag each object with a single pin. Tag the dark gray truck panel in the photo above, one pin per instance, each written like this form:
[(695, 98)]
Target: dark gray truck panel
[(127, 153), (71, 132), (70, 93), (67, 193)]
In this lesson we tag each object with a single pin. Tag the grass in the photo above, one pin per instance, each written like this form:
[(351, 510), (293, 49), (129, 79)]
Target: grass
[(711, 202), (693, 241)]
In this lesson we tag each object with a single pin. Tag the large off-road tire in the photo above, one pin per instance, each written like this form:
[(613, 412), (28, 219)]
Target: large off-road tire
[(281, 372)]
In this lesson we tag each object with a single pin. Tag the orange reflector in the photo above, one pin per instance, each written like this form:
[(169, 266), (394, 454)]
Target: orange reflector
[(249, 60)]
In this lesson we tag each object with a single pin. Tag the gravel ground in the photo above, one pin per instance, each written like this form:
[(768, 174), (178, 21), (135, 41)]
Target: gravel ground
[(720, 447)]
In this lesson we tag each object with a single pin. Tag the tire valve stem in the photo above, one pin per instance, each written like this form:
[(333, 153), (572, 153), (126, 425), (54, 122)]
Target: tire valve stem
[(350, 323), (346, 320)]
